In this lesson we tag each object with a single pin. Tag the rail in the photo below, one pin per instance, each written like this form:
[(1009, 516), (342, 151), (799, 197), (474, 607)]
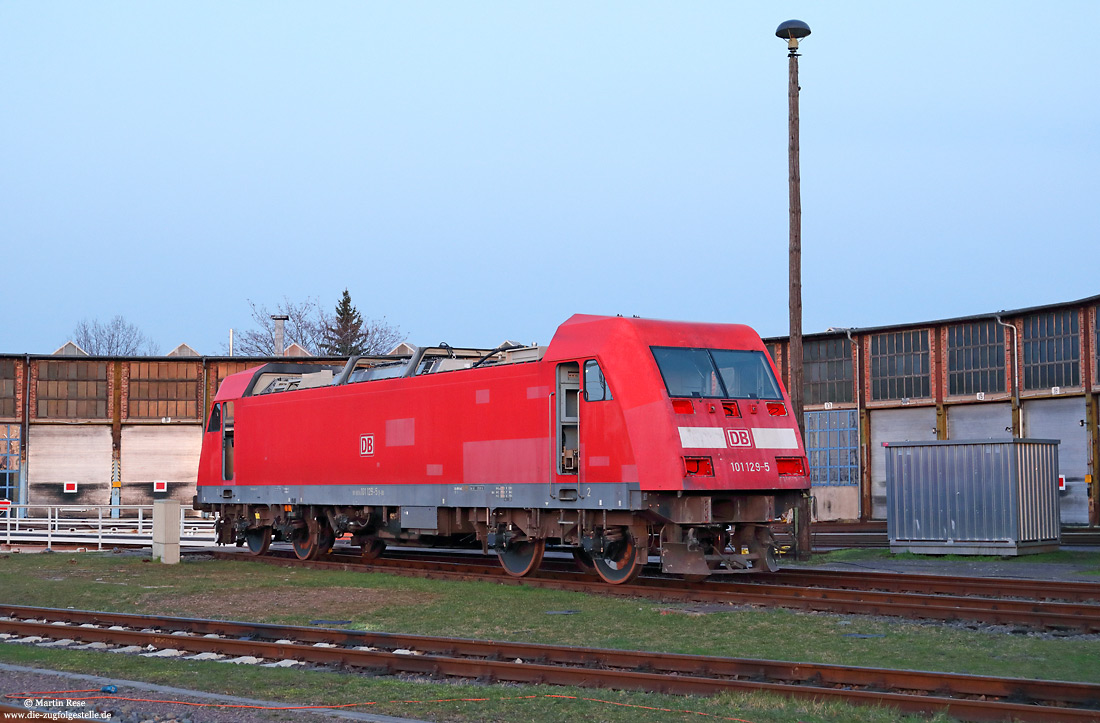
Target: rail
[(966, 697), (1017, 608), (87, 525)]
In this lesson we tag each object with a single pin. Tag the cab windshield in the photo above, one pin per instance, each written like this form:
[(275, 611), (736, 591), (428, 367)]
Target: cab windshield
[(716, 373)]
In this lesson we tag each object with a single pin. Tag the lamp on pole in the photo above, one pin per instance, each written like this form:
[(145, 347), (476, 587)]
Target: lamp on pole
[(792, 31)]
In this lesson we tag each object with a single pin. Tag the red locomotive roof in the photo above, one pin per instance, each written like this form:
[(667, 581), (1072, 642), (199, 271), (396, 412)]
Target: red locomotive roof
[(234, 385), (586, 335)]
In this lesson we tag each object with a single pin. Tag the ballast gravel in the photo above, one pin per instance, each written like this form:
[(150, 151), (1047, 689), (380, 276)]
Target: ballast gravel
[(153, 708)]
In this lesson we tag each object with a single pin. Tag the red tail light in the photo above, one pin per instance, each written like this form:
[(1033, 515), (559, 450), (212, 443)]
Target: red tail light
[(682, 406), (731, 410), (698, 467), (777, 409), (791, 466)]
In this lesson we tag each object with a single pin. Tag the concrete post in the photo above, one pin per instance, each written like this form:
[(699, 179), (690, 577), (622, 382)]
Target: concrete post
[(166, 531)]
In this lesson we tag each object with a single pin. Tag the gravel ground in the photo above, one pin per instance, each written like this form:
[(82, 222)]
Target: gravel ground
[(17, 680)]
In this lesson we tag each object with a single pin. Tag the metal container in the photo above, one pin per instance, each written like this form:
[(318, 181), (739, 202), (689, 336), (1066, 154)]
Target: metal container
[(978, 497)]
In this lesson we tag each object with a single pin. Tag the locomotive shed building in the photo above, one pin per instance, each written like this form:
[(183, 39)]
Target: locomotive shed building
[(84, 430)]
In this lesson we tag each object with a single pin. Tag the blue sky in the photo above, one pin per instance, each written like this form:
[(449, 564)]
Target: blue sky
[(482, 170)]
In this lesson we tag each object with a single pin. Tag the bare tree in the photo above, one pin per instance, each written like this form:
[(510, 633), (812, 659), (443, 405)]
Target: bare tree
[(307, 326), (379, 337), (303, 328), (117, 337)]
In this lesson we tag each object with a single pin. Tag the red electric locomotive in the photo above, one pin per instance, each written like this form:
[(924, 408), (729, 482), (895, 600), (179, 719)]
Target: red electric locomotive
[(622, 437)]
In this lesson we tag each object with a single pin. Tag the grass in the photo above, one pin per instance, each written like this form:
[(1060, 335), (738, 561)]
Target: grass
[(267, 593), (447, 702)]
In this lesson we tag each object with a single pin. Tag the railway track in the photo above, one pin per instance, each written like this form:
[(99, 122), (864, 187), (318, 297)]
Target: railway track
[(969, 697), (1042, 605), (1055, 590), (834, 535)]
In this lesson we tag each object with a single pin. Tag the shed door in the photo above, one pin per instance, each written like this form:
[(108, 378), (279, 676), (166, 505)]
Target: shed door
[(159, 452), (895, 425), (832, 443), (979, 421), (1061, 419), (57, 454), (9, 463)]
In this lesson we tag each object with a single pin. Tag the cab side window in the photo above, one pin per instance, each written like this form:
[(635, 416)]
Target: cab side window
[(215, 424), (595, 384)]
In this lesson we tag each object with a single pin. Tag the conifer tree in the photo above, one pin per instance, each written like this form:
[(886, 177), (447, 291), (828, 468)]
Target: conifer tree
[(343, 336)]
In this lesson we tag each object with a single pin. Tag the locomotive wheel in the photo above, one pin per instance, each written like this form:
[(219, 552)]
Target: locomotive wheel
[(522, 558), (258, 540), (372, 548), (765, 545), (583, 560), (621, 562), (768, 559), (309, 546), (304, 544)]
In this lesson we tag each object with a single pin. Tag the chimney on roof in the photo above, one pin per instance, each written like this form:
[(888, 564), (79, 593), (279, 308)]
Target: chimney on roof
[(279, 320)]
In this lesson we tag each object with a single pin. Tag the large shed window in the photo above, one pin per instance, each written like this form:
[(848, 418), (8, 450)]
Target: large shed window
[(716, 373), (164, 389), (72, 390), (779, 361), (976, 358), (7, 387), (1052, 350), (900, 365), (827, 370)]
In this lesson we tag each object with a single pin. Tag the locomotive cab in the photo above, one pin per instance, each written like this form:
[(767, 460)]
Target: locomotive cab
[(741, 453)]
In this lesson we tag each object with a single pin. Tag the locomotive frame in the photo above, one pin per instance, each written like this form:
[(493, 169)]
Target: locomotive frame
[(623, 437)]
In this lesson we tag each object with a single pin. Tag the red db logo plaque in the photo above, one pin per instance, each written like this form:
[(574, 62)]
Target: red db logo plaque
[(739, 437)]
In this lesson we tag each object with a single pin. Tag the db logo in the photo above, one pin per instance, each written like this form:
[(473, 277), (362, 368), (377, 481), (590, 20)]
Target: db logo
[(739, 437), (366, 445)]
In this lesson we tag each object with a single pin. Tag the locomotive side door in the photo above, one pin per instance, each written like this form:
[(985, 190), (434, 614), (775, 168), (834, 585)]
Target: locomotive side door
[(602, 432), (565, 472), (216, 460), (227, 442)]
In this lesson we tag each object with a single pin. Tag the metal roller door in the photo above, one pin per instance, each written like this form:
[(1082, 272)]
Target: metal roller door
[(169, 453), (979, 421), (1061, 419), (79, 453), (895, 425)]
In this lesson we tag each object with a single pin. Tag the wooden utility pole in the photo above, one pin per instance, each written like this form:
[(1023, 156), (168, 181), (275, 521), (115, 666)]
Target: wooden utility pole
[(792, 31), (795, 247)]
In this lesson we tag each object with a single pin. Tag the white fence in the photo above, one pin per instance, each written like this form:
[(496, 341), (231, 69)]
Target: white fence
[(93, 525)]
